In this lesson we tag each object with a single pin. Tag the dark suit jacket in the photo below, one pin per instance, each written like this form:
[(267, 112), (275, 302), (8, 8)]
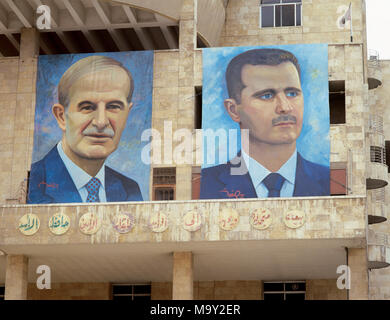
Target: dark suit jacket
[(50, 182), (311, 179)]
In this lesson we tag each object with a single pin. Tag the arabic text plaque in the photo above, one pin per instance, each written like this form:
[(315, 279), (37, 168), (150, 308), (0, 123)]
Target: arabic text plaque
[(29, 224), (59, 224), (89, 223), (294, 219), (123, 222), (228, 219), (158, 222), (260, 218), (192, 221)]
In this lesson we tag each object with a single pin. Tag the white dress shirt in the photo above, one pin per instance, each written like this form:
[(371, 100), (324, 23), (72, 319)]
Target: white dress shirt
[(81, 178), (258, 173)]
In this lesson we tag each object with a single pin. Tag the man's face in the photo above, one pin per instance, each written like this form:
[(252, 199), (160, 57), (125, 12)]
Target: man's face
[(97, 113), (271, 103)]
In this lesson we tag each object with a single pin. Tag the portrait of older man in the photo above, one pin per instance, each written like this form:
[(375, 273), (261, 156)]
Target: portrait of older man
[(266, 98), (94, 103)]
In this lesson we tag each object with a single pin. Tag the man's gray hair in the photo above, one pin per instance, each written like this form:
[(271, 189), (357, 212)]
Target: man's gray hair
[(83, 67)]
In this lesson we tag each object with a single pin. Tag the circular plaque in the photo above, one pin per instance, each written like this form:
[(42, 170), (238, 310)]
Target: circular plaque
[(294, 219), (29, 224), (261, 218), (59, 223), (158, 222), (228, 219), (123, 222), (89, 223), (192, 221)]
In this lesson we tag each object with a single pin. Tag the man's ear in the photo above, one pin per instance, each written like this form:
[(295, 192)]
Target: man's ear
[(130, 106), (59, 113), (232, 109)]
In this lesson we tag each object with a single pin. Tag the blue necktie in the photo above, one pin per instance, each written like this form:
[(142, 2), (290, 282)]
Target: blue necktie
[(93, 190), (274, 183)]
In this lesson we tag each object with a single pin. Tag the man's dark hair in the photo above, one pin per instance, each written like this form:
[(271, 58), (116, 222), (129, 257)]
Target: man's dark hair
[(267, 57)]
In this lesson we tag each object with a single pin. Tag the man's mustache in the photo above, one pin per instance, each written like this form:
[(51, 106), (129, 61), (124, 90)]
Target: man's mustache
[(284, 118), (91, 131)]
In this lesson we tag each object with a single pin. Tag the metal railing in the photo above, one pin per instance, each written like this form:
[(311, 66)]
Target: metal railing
[(376, 124), (378, 154), (373, 59)]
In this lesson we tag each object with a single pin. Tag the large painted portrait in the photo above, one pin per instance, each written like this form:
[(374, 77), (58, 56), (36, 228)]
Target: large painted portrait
[(91, 110), (265, 121)]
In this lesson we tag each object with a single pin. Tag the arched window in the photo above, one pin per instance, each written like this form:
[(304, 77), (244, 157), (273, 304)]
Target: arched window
[(280, 13)]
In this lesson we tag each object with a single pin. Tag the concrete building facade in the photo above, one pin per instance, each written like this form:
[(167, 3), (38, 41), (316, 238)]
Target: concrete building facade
[(348, 229)]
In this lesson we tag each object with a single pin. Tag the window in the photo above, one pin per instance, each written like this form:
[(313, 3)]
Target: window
[(337, 102), (131, 291), (280, 13), (198, 107), (387, 150), (164, 183), (288, 290), (338, 182), (2, 291)]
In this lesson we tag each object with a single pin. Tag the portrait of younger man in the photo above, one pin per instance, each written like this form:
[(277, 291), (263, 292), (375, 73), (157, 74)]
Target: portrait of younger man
[(95, 100), (266, 98)]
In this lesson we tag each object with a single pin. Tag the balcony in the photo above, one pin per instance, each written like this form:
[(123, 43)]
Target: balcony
[(378, 250), (376, 208), (374, 70), (377, 171)]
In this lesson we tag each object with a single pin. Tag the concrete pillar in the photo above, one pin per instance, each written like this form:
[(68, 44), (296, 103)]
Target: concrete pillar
[(357, 261), (25, 109), (29, 43), (183, 277), (16, 277), (186, 112)]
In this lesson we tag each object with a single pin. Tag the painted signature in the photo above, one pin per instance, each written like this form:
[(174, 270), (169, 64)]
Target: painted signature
[(236, 194), (53, 185)]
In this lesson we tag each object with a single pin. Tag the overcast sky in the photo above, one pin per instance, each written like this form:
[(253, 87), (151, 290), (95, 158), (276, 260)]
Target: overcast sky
[(378, 27)]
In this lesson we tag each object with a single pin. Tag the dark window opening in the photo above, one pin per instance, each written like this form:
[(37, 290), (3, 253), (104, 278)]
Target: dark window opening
[(131, 291), (161, 194), (27, 184), (387, 151), (2, 292), (198, 107), (337, 102), (164, 183), (280, 291), (200, 43)]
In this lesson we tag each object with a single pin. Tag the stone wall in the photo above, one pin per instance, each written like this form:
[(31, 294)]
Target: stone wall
[(319, 24), (71, 291), (325, 289), (213, 290)]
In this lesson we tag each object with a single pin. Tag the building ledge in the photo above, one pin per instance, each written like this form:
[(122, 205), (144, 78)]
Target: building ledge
[(323, 218)]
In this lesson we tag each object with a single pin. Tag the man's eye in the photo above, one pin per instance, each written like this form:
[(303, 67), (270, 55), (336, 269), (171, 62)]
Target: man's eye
[(113, 106), (266, 96), (292, 94), (87, 107)]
